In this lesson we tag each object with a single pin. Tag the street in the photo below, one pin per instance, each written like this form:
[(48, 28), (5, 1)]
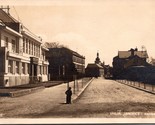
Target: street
[(101, 99)]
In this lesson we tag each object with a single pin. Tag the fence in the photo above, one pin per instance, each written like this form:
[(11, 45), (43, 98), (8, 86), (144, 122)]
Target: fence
[(78, 84), (138, 84)]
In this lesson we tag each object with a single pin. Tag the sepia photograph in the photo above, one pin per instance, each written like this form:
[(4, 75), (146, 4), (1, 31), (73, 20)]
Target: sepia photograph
[(77, 61)]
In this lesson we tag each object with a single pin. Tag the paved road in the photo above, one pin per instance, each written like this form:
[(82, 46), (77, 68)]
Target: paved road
[(102, 99), (108, 99)]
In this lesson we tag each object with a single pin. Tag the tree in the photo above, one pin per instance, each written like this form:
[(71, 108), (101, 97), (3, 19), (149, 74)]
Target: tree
[(152, 61), (54, 45)]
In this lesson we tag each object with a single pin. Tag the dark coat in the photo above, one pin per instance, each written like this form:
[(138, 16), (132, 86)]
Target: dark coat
[(68, 97)]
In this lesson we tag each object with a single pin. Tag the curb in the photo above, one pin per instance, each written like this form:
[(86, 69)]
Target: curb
[(24, 92), (80, 93), (52, 85), (138, 88)]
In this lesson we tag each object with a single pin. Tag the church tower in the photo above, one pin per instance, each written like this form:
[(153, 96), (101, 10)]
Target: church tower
[(97, 61)]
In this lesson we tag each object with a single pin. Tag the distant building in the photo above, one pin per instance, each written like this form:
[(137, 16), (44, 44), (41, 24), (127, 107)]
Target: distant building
[(97, 60), (95, 69), (108, 71), (22, 56), (126, 59), (64, 63)]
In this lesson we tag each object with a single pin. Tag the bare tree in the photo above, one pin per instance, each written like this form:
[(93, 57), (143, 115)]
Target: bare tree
[(54, 45), (152, 61)]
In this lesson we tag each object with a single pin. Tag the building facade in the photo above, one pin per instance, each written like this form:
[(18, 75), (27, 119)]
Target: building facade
[(64, 63), (126, 59), (95, 69), (22, 55), (108, 72)]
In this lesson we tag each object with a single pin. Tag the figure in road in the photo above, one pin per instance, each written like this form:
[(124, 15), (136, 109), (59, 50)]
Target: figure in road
[(68, 95)]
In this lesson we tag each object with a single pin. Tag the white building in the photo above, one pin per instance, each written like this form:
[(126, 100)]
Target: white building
[(22, 55)]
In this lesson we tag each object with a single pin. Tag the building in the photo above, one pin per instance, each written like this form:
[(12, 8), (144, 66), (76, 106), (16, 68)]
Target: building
[(64, 63), (126, 59), (108, 71), (95, 69), (22, 55)]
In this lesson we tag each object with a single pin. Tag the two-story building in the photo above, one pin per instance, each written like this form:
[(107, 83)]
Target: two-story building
[(64, 63), (22, 54), (126, 59)]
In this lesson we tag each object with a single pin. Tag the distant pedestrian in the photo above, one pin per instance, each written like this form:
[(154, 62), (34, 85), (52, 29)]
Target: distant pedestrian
[(68, 95)]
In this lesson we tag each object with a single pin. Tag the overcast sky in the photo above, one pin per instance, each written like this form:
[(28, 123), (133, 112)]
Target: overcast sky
[(88, 26)]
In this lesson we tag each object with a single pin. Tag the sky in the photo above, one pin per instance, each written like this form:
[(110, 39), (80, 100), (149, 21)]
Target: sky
[(91, 26)]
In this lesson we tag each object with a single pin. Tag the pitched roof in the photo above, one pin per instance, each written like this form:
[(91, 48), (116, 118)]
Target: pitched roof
[(7, 17), (126, 54), (93, 65), (69, 50)]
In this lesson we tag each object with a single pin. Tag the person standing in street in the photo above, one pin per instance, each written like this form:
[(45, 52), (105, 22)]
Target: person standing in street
[(68, 95)]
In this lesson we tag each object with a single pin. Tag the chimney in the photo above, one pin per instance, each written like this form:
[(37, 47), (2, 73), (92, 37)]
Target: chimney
[(6, 9), (132, 52)]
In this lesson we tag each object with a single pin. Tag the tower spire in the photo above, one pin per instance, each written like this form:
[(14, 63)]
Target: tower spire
[(97, 61), (97, 53)]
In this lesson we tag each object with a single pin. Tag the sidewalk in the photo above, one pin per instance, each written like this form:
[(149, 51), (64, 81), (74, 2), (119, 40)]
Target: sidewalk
[(21, 90), (77, 88), (43, 102)]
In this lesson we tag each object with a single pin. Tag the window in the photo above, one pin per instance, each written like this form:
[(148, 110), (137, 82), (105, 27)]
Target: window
[(26, 46), (40, 69), (34, 49), (29, 47), (38, 51), (23, 44), (17, 67), (45, 70), (6, 41), (23, 68), (10, 66), (28, 68), (13, 46), (43, 55)]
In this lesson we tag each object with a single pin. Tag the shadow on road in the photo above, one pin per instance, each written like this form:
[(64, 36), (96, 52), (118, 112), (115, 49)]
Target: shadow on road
[(62, 103)]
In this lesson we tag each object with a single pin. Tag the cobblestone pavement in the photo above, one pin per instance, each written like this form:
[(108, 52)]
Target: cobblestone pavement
[(101, 99)]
